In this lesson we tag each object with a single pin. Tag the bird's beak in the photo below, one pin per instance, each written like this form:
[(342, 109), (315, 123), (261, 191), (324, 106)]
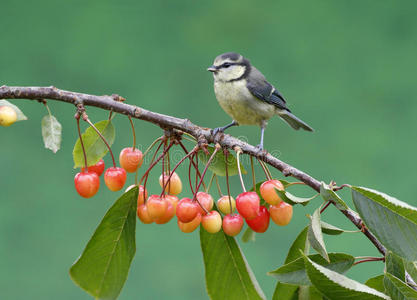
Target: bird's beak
[(212, 69)]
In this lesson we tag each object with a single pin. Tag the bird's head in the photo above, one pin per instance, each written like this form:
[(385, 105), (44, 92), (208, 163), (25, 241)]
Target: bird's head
[(230, 66)]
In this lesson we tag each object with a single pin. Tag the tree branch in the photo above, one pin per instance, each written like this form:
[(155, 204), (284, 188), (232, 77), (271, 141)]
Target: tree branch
[(203, 135)]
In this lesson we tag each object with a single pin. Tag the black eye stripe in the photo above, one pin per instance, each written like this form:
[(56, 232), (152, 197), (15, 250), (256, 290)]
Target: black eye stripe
[(229, 64)]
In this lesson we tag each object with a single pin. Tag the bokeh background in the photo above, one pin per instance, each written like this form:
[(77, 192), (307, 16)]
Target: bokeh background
[(348, 68)]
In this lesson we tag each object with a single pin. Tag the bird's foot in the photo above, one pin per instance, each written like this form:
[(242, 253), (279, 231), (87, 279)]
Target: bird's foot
[(215, 131), (260, 147)]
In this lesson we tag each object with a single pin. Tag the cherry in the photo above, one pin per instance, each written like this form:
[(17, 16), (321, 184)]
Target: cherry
[(261, 222), (156, 206), (223, 204), (247, 204), (169, 214), (87, 184), (187, 210), (98, 167), (281, 214), (142, 195), (190, 226), (115, 178), (174, 186), (143, 214), (7, 116), (232, 224), (212, 222), (173, 199), (206, 200), (267, 190), (130, 159)]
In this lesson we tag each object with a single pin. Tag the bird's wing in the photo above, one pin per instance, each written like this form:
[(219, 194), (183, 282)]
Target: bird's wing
[(264, 91)]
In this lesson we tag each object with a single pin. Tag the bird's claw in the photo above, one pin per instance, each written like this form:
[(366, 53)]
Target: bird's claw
[(260, 147), (217, 130)]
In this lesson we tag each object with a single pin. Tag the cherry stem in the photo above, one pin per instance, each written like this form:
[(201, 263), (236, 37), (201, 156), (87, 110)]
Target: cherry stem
[(196, 175), (226, 153), (134, 133), (253, 174), (85, 118), (202, 177), (263, 168), (189, 174), (152, 160), (81, 142), (218, 185), (192, 161), (295, 183), (238, 151), (176, 166), (210, 183), (326, 206), (370, 259)]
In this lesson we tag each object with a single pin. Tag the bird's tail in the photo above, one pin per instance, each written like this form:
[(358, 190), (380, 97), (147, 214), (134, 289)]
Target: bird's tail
[(293, 121)]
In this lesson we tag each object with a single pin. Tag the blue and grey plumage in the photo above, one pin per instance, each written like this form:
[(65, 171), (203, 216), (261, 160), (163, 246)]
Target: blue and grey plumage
[(245, 94)]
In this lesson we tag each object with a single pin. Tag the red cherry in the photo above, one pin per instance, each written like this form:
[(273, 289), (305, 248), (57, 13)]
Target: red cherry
[(130, 159), (169, 214), (223, 204), (190, 226), (87, 184), (143, 215), (115, 178), (281, 214), (247, 204), (174, 186), (232, 224), (268, 192), (261, 222), (206, 200), (156, 206), (98, 167), (212, 222), (142, 195), (187, 210), (173, 199)]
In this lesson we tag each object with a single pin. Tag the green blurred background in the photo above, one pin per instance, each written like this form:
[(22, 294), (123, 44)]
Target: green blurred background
[(348, 68)]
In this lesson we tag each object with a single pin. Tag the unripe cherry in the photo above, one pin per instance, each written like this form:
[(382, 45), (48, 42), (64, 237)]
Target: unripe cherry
[(247, 204), (223, 204), (169, 214), (232, 224), (190, 226), (187, 210), (156, 206), (130, 159), (281, 214), (212, 222), (268, 192), (174, 187), (98, 167), (206, 200), (7, 116), (87, 184), (143, 215), (261, 222), (115, 178)]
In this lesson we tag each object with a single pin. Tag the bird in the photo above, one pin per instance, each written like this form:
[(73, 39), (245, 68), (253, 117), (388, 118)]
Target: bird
[(245, 95)]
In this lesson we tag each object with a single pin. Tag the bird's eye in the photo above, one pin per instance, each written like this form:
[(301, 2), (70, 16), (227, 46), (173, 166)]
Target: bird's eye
[(226, 65)]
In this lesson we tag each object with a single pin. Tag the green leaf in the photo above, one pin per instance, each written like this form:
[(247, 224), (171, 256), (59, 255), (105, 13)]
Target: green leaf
[(394, 265), (51, 133), (295, 271), (315, 235), (19, 113), (329, 195), (94, 146), (293, 200), (393, 222), (284, 291), (218, 164), (398, 289), (331, 229), (228, 275), (102, 268), (309, 292), (300, 243), (411, 268), (337, 286), (249, 235), (376, 283)]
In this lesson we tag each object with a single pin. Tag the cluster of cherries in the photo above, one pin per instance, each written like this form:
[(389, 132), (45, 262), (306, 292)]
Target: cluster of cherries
[(87, 182), (193, 212)]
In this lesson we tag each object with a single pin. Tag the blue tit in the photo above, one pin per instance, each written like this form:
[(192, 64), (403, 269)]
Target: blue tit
[(245, 95)]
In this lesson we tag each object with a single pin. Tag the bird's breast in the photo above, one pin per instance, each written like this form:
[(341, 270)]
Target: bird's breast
[(239, 103)]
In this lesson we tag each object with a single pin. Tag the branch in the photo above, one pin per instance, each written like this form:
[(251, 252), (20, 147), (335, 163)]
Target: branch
[(203, 135)]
